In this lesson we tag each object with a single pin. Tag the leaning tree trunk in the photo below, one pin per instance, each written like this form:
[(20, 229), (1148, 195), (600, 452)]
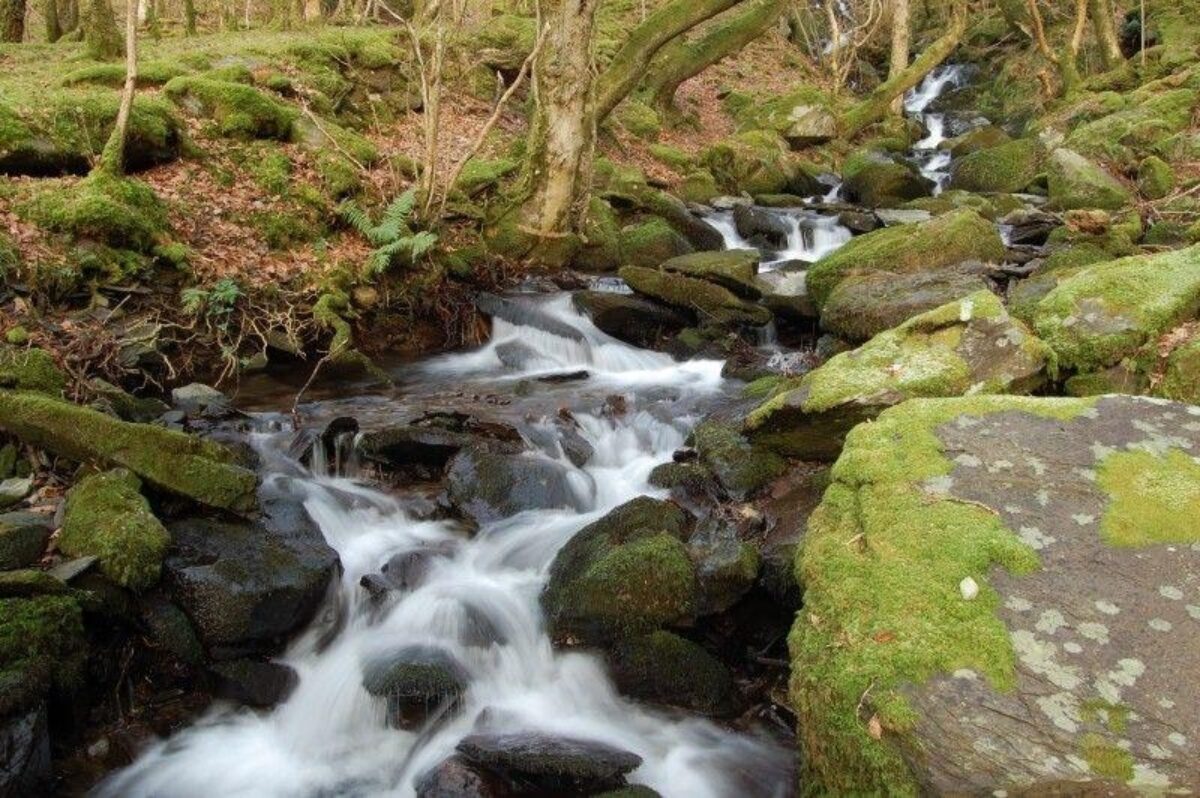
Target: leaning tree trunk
[(657, 30), (562, 138), (100, 30), (12, 20), (1105, 27), (901, 42), (112, 160), (875, 107), (682, 59)]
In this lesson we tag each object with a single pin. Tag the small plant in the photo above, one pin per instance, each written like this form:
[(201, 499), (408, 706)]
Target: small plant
[(216, 302), (391, 236)]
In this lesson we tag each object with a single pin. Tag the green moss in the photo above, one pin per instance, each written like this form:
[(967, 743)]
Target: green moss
[(698, 186), (286, 228), (149, 73), (41, 648), (942, 241), (601, 249), (1155, 178), (876, 180), (117, 212), (651, 242), (271, 168), (1107, 759), (756, 162), (199, 469), (668, 669), (1007, 168), (742, 469), (107, 517), (883, 556), (673, 157), (1076, 182), (1153, 498), (1106, 311), (481, 174), (240, 111), (1124, 136), (714, 303), (30, 370), (1181, 378), (639, 119)]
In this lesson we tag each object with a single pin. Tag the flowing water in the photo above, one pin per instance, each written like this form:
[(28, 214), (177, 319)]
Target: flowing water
[(933, 162), (811, 236), (330, 737)]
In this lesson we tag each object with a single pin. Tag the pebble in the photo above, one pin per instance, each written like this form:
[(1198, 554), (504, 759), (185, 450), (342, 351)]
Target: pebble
[(969, 588)]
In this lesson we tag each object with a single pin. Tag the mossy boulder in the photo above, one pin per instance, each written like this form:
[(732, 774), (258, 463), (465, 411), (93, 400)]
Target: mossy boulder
[(30, 370), (1106, 312), (710, 301), (878, 180), (240, 111), (664, 668), (118, 212), (697, 186), (23, 539), (149, 74), (970, 345), (740, 468), (981, 138), (1181, 375), (756, 162), (1125, 136), (945, 240), (201, 470), (415, 680), (1155, 178), (1076, 182), (108, 518), (734, 269), (862, 306), (624, 575), (1006, 168), (651, 242), (42, 649), (983, 581)]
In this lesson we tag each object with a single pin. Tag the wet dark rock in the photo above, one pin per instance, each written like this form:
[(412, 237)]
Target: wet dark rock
[(761, 228), (699, 233), (454, 777), (25, 754), (664, 668), (574, 445), (548, 762), (23, 539), (785, 292), (1030, 226), (786, 507), (525, 314), (415, 680), (741, 468), (487, 486), (253, 682), (630, 318), (564, 376), (516, 355), (197, 401), (859, 221), (168, 629), (726, 566), (248, 585), (125, 405), (427, 443)]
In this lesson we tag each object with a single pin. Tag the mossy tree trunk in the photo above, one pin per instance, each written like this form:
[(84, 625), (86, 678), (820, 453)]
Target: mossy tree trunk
[(1104, 26), (68, 15), (112, 160), (12, 20), (875, 107), (53, 25), (1068, 61), (901, 42), (100, 30), (189, 17), (657, 30), (685, 59)]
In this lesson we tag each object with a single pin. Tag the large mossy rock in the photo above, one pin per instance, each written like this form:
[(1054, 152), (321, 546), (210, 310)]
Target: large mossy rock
[(30, 370), (756, 162), (1107, 311), (968, 346), (877, 180), (709, 300), (1006, 168), (1181, 374), (862, 306), (23, 539), (100, 209), (1001, 596), (1076, 182), (733, 269), (200, 470), (239, 110), (544, 764), (624, 575), (1136, 129), (108, 518), (42, 649), (945, 240), (665, 668)]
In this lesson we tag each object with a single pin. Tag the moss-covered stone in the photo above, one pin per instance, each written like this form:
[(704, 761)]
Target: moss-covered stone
[(108, 518), (23, 538), (981, 138), (149, 73), (698, 186), (42, 648), (741, 468), (639, 119), (673, 157), (240, 111), (756, 162), (200, 470), (1181, 376), (117, 212), (1155, 178), (30, 370), (968, 346), (1107, 311), (1076, 182), (943, 241), (1154, 498), (651, 243), (665, 668), (877, 180), (734, 269), (710, 301), (483, 174), (1123, 137), (1006, 168)]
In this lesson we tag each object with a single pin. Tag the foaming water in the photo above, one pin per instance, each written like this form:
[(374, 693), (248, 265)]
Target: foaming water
[(933, 162), (330, 737), (811, 236)]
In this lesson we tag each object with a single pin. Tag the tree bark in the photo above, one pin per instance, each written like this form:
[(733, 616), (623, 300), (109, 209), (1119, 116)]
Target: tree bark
[(901, 42), (12, 20), (660, 28), (100, 30), (53, 25), (876, 105), (1105, 27), (189, 17), (1068, 62), (682, 59), (112, 160), (68, 16)]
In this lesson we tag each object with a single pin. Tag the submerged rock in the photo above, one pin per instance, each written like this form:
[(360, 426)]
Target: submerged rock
[(525, 314), (970, 345), (415, 680), (1076, 521), (549, 762)]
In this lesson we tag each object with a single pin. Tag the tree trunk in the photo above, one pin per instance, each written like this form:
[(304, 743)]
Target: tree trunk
[(562, 138), (68, 16), (12, 20), (312, 10), (682, 59), (189, 17), (53, 25), (901, 42), (112, 160), (1105, 27), (100, 30), (876, 105), (629, 65), (1068, 62)]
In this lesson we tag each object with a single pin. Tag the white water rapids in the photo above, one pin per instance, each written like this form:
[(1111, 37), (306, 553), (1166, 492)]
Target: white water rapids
[(933, 161), (330, 737), (811, 236)]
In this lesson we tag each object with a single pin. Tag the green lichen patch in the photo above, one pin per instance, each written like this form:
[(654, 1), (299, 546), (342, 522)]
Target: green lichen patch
[(107, 517), (1154, 499), (240, 111), (942, 241)]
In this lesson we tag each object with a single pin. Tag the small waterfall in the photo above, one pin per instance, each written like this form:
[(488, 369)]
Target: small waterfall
[(811, 236), (933, 162)]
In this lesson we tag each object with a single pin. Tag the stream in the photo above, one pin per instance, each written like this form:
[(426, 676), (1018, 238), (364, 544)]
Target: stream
[(330, 737)]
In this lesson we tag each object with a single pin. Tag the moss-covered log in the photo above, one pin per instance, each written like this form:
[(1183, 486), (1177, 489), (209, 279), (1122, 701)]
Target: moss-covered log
[(200, 470)]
